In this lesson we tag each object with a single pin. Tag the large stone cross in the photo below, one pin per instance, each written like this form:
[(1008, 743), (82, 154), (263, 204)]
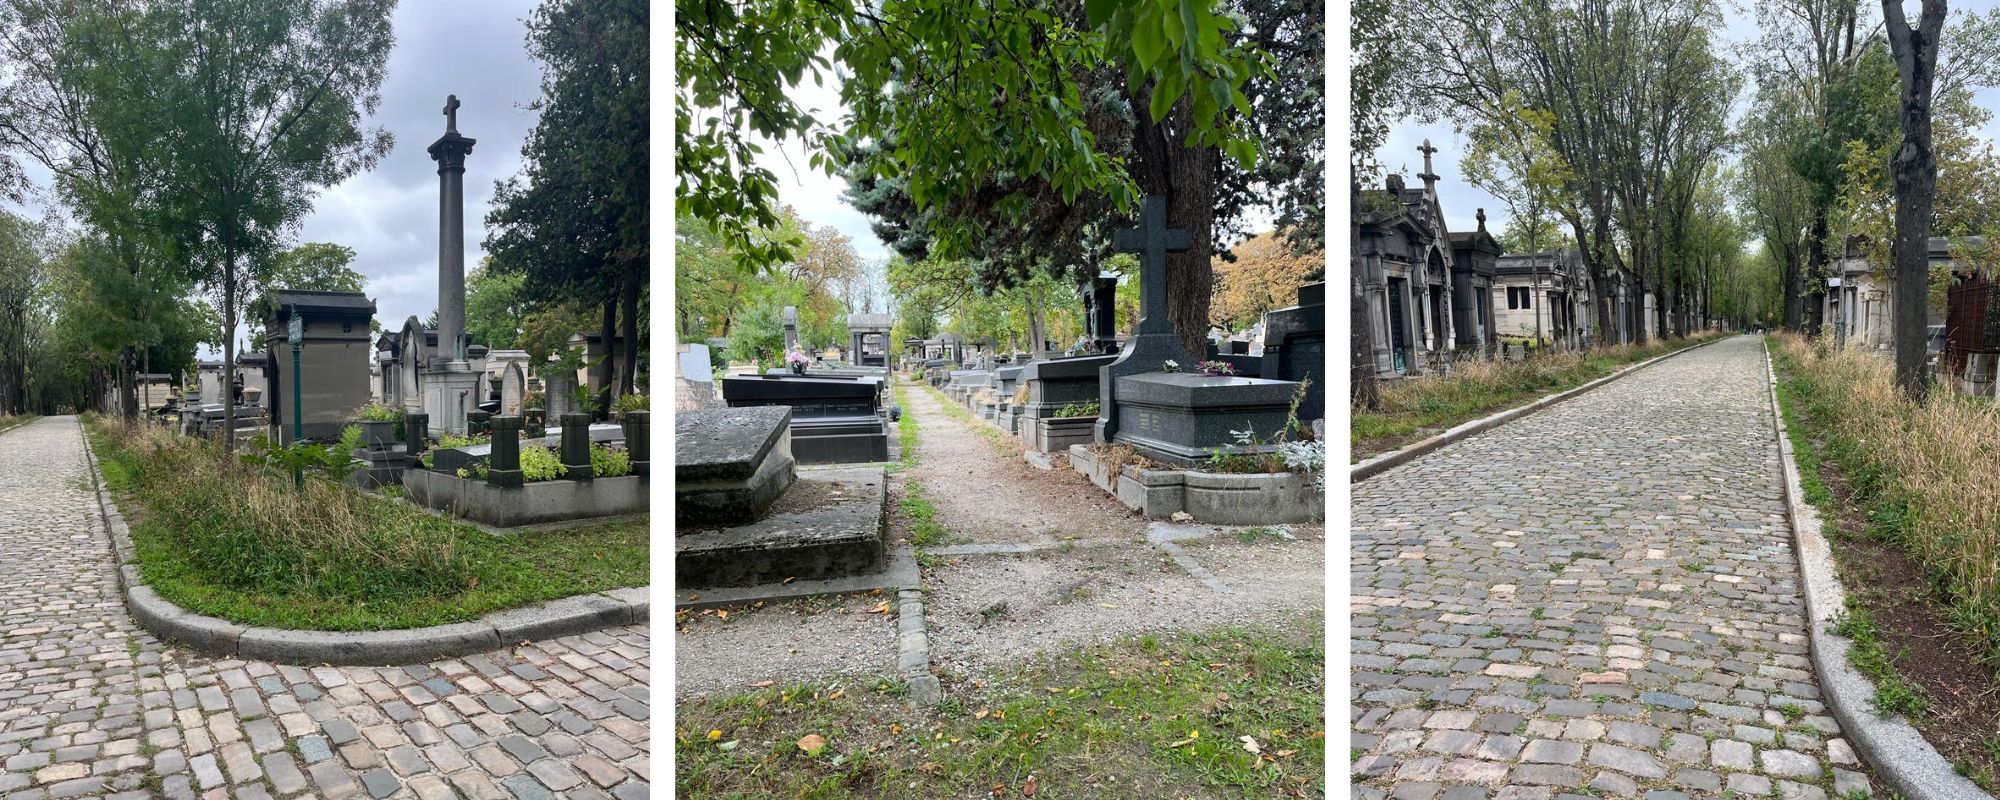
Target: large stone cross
[(451, 113), (1152, 240)]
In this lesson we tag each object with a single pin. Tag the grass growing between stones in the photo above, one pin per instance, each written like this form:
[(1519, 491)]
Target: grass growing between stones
[(1416, 407), (1232, 713), (986, 430), (237, 542)]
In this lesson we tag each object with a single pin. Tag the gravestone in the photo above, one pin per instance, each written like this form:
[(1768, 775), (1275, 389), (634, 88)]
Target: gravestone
[(1052, 386), (835, 420), (513, 388), (731, 464), (1100, 311), (1182, 418), (560, 395), (1153, 341), (791, 321), (1295, 347)]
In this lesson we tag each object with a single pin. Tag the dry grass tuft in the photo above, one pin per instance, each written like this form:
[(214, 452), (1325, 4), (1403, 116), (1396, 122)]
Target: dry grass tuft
[(1929, 474)]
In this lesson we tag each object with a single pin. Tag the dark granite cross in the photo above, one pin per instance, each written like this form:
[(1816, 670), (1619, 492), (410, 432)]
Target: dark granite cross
[(451, 113), (1152, 240)]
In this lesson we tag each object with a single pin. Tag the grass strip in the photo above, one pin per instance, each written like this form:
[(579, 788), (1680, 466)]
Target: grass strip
[(236, 542), (1229, 713)]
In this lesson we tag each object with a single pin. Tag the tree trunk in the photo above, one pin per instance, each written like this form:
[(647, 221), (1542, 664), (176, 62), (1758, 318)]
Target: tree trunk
[(607, 334), (629, 372), (1166, 165), (1915, 171), (229, 352)]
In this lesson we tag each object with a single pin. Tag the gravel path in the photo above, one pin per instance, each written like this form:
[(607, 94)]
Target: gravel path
[(1601, 595), (985, 494), (91, 704), (1094, 577)]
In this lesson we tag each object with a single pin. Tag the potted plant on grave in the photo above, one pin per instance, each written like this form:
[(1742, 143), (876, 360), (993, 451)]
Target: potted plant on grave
[(379, 424), (1216, 368), (797, 359)]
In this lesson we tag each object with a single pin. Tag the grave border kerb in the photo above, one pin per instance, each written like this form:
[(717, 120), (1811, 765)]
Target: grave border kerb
[(1898, 753), (498, 630), (1383, 462)]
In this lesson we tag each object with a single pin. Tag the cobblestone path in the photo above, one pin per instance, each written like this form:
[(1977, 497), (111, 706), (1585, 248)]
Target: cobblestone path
[(92, 705), (1597, 600)]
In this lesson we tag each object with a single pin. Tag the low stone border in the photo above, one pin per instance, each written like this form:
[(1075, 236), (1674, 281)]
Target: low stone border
[(564, 617), (1377, 464), (1899, 754)]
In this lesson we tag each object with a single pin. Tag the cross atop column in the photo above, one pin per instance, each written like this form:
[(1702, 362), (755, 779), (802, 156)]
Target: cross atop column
[(1427, 150), (1152, 240), (451, 114)]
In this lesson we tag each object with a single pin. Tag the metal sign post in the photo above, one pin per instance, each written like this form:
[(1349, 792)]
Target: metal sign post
[(295, 334)]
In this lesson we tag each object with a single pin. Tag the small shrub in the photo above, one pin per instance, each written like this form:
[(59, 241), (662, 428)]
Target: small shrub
[(376, 412), (608, 463), (540, 463), (631, 402), (1074, 410)]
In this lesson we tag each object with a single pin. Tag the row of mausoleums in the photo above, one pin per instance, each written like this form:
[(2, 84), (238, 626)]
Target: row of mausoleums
[(1434, 296)]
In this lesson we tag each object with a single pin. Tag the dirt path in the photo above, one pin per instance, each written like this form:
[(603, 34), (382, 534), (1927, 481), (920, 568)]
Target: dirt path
[(989, 496)]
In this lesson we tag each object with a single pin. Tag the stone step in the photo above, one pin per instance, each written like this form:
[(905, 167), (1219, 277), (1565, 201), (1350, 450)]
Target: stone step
[(829, 525)]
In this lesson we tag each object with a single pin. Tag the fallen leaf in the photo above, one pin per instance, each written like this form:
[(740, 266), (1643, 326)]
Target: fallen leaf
[(763, 684), (1192, 736), (928, 767), (880, 608), (729, 745), (788, 580), (1028, 789), (1000, 790), (1286, 753), (720, 614), (836, 694), (715, 735), (812, 743), (1250, 744), (981, 713)]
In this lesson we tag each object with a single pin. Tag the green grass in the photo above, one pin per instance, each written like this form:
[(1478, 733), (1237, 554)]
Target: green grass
[(925, 530), (906, 430), (384, 565), (1428, 404), (1894, 694), (1147, 717), (990, 433)]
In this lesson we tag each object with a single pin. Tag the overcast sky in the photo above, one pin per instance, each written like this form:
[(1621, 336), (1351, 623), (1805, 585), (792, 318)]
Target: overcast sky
[(1461, 201), (477, 50)]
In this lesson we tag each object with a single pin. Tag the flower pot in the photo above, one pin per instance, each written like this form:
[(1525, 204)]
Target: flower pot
[(798, 369), (379, 434)]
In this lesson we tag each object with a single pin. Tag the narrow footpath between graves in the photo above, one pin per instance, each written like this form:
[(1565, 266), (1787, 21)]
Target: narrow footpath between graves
[(1599, 597), (1020, 561), (90, 703)]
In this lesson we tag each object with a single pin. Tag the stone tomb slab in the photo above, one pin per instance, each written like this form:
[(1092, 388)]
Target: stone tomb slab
[(829, 525), (834, 420), (731, 464), (1180, 417)]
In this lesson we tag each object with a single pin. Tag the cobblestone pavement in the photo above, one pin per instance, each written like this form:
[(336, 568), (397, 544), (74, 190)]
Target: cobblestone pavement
[(90, 704), (1596, 600)]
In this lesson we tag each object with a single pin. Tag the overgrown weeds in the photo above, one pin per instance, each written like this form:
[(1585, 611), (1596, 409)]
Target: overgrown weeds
[(1927, 476), (236, 540)]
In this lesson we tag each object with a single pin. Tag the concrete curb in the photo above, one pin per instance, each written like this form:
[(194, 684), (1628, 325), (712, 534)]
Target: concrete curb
[(1378, 464), (1899, 754), (564, 617)]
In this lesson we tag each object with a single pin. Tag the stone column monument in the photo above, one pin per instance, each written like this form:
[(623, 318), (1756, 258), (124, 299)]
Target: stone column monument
[(451, 386)]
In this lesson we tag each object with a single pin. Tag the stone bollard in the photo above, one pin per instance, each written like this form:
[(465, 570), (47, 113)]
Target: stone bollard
[(576, 446), (638, 445), (416, 433), (503, 464), (475, 422)]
